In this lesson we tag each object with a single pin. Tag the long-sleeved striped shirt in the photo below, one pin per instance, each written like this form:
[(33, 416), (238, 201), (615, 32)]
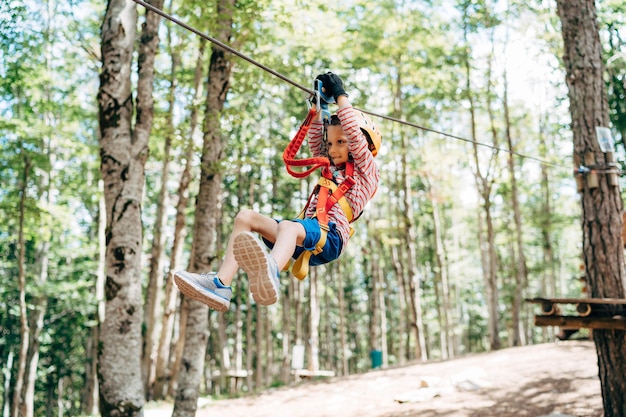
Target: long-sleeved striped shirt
[(366, 174)]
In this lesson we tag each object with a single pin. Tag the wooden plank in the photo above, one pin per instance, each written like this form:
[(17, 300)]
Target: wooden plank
[(612, 323), (608, 301)]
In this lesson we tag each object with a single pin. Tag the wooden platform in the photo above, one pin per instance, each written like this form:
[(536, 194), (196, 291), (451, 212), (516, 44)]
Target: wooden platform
[(590, 313)]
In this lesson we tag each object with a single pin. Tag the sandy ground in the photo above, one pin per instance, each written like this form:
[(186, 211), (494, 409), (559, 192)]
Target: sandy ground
[(555, 379)]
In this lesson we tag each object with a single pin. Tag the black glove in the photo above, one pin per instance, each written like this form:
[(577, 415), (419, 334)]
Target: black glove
[(332, 85)]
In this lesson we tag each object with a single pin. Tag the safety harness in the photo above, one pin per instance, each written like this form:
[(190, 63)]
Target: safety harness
[(329, 193)]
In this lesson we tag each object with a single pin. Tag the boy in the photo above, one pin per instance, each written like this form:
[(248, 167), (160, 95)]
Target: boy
[(351, 138)]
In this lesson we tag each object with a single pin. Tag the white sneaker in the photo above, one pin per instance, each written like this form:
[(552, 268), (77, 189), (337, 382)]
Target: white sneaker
[(263, 275), (205, 288)]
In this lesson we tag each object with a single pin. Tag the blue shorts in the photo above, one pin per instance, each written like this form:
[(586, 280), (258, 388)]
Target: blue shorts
[(331, 250)]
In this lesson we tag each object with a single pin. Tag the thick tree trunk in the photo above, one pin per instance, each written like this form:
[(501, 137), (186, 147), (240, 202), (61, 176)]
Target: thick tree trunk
[(601, 202), (123, 152), (204, 246)]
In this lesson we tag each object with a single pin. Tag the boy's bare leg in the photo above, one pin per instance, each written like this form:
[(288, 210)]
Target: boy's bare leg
[(285, 235), (289, 235), (246, 221)]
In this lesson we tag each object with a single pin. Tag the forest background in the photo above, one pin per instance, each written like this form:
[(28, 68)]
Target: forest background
[(464, 226)]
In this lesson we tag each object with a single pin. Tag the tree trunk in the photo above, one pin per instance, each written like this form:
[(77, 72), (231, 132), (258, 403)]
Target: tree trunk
[(123, 151), (286, 325), (204, 246), (343, 342), (6, 373), (484, 183), (314, 322), (249, 358), (155, 291), (39, 303), (36, 326), (521, 271), (176, 358), (163, 373), (90, 399), (258, 345), (409, 236), (370, 266), (378, 271), (548, 284), (601, 202), (18, 400), (447, 347), (402, 324)]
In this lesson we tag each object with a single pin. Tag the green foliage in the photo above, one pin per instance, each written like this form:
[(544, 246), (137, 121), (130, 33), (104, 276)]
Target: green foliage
[(409, 67)]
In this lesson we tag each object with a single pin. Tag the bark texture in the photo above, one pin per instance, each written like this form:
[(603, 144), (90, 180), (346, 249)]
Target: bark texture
[(204, 247), (601, 202), (123, 152)]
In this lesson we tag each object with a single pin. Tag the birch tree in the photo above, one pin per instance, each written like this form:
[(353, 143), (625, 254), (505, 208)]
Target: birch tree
[(123, 152)]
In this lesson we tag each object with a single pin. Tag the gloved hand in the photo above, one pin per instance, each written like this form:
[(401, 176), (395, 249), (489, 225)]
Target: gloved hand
[(332, 85)]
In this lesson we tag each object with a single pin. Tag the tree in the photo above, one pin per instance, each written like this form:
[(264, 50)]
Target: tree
[(204, 247), (484, 185), (601, 201), (18, 400), (123, 151)]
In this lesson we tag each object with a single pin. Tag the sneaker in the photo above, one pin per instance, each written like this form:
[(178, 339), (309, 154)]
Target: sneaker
[(205, 288), (263, 275)]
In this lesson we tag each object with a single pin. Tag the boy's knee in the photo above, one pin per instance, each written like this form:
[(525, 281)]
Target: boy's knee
[(245, 216), (284, 226), (288, 226)]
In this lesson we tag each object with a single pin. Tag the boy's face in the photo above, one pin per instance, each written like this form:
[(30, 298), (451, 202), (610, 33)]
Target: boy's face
[(337, 145)]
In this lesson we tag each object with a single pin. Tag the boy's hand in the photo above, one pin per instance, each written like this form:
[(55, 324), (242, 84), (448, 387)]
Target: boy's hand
[(332, 85)]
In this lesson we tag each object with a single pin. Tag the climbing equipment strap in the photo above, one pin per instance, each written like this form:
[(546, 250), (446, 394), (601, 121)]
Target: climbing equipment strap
[(294, 146), (328, 194)]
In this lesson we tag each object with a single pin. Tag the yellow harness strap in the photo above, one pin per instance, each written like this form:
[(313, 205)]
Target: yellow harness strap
[(326, 201)]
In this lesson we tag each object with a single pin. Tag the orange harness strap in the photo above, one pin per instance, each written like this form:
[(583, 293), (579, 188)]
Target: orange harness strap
[(294, 146), (329, 193)]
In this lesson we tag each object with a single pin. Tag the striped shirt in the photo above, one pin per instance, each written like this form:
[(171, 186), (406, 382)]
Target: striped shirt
[(366, 174)]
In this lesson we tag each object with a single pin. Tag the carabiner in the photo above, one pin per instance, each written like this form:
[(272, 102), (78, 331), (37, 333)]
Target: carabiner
[(322, 101)]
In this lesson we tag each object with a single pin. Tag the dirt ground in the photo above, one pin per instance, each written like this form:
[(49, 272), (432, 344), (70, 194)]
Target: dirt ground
[(554, 379)]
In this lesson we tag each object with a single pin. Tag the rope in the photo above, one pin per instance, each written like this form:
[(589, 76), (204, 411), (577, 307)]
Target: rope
[(312, 92)]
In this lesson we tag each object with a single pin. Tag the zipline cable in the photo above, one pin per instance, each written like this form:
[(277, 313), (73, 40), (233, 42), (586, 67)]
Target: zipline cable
[(311, 92), (222, 45), (449, 135)]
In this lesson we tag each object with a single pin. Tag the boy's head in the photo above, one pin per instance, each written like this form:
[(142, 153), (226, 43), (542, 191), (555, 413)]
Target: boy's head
[(369, 129)]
